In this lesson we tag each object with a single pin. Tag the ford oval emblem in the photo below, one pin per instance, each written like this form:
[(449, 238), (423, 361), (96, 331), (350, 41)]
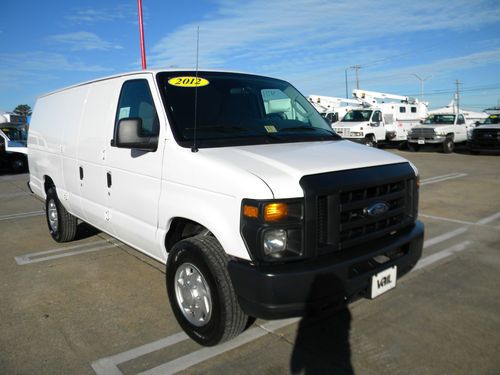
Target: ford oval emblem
[(377, 209)]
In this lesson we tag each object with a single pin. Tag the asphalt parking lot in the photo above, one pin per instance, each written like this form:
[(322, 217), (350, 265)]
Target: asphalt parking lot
[(95, 306)]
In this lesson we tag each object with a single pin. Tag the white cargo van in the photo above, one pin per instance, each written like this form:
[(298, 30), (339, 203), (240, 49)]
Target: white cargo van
[(236, 183)]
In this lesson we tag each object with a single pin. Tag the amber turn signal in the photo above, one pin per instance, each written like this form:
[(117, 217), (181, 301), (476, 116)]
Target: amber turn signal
[(250, 211), (275, 211)]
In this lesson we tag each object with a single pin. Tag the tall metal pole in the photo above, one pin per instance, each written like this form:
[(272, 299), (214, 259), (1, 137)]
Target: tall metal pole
[(141, 33), (346, 90), (457, 82)]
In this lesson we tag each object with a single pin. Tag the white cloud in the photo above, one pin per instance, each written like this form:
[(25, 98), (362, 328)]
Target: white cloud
[(275, 31), (92, 15), (83, 41)]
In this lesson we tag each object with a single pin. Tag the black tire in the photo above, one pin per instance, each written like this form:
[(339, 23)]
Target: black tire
[(205, 255), (413, 147), (63, 226), (448, 145), (370, 141), (18, 164)]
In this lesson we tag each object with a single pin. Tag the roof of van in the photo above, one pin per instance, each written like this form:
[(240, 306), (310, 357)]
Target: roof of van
[(148, 71)]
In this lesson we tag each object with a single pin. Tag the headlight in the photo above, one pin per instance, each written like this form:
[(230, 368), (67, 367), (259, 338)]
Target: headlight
[(357, 134), (274, 242), (272, 229)]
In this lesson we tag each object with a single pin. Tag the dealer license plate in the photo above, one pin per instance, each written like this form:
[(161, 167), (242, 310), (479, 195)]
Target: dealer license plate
[(421, 142), (383, 281)]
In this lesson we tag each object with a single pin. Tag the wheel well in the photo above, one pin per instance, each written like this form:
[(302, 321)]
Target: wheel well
[(372, 136), (182, 228), (450, 135), (47, 183)]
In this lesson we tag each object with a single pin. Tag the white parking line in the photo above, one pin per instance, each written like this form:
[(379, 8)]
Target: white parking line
[(21, 215), (63, 252), (433, 180), (13, 195), (427, 261), (108, 365)]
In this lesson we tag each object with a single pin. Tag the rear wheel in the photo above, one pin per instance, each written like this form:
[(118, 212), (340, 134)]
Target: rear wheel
[(62, 225), (201, 293), (448, 145)]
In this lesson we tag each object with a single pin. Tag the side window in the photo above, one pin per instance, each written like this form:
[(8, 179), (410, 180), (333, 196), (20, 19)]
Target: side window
[(377, 117), (402, 109), (136, 102), (413, 109), (460, 120)]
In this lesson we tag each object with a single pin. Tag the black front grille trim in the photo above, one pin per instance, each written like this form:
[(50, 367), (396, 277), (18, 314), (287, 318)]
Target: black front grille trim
[(336, 206)]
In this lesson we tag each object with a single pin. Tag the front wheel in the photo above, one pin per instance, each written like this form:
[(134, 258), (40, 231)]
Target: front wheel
[(370, 141), (62, 225), (413, 147), (201, 293), (448, 146)]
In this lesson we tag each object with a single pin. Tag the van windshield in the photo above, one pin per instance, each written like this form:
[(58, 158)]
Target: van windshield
[(357, 116), (238, 109)]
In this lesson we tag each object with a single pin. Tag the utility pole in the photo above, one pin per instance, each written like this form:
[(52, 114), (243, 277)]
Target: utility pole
[(356, 67), (458, 83), (346, 93), (422, 81)]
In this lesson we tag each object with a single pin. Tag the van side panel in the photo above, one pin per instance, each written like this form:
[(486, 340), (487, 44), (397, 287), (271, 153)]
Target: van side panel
[(92, 147), (71, 116), (45, 142)]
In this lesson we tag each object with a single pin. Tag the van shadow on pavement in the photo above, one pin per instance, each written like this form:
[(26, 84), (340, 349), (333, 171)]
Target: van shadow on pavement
[(322, 341)]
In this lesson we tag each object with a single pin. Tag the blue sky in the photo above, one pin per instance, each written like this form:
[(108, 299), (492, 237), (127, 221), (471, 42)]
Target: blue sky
[(46, 45)]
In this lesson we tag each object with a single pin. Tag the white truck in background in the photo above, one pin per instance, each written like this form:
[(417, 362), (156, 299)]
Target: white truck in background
[(334, 108), (377, 120), (442, 130)]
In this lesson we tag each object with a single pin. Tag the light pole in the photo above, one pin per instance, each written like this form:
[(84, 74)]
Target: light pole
[(422, 80)]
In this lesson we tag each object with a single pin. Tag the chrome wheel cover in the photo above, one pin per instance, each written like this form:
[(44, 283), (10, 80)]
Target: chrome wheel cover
[(52, 215), (193, 294)]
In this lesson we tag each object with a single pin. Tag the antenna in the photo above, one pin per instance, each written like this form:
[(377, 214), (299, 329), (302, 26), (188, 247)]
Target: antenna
[(195, 146)]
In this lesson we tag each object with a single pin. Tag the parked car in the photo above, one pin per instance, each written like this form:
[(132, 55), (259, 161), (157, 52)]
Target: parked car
[(441, 130), (486, 137), (11, 160), (236, 183)]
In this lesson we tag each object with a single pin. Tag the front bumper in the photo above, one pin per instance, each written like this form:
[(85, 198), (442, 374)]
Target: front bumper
[(483, 146), (297, 289), (434, 140)]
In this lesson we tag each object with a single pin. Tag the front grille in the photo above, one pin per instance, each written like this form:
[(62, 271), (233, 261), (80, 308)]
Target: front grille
[(342, 218), (422, 133), (344, 132), (487, 135)]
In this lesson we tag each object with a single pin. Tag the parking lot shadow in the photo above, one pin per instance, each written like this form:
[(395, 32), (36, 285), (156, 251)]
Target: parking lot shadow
[(322, 341), (84, 230)]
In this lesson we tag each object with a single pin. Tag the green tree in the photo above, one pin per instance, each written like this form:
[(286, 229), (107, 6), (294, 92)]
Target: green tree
[(23, 110)]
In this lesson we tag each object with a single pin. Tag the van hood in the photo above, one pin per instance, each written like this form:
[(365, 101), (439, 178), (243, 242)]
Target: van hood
[(351, 124), (281, 166)]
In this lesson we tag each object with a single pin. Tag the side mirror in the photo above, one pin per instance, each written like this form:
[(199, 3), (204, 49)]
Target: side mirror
[(128, 135), (421, 121)]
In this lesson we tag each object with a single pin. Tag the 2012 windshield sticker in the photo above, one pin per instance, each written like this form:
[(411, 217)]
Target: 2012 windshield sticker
[(187, 81)]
